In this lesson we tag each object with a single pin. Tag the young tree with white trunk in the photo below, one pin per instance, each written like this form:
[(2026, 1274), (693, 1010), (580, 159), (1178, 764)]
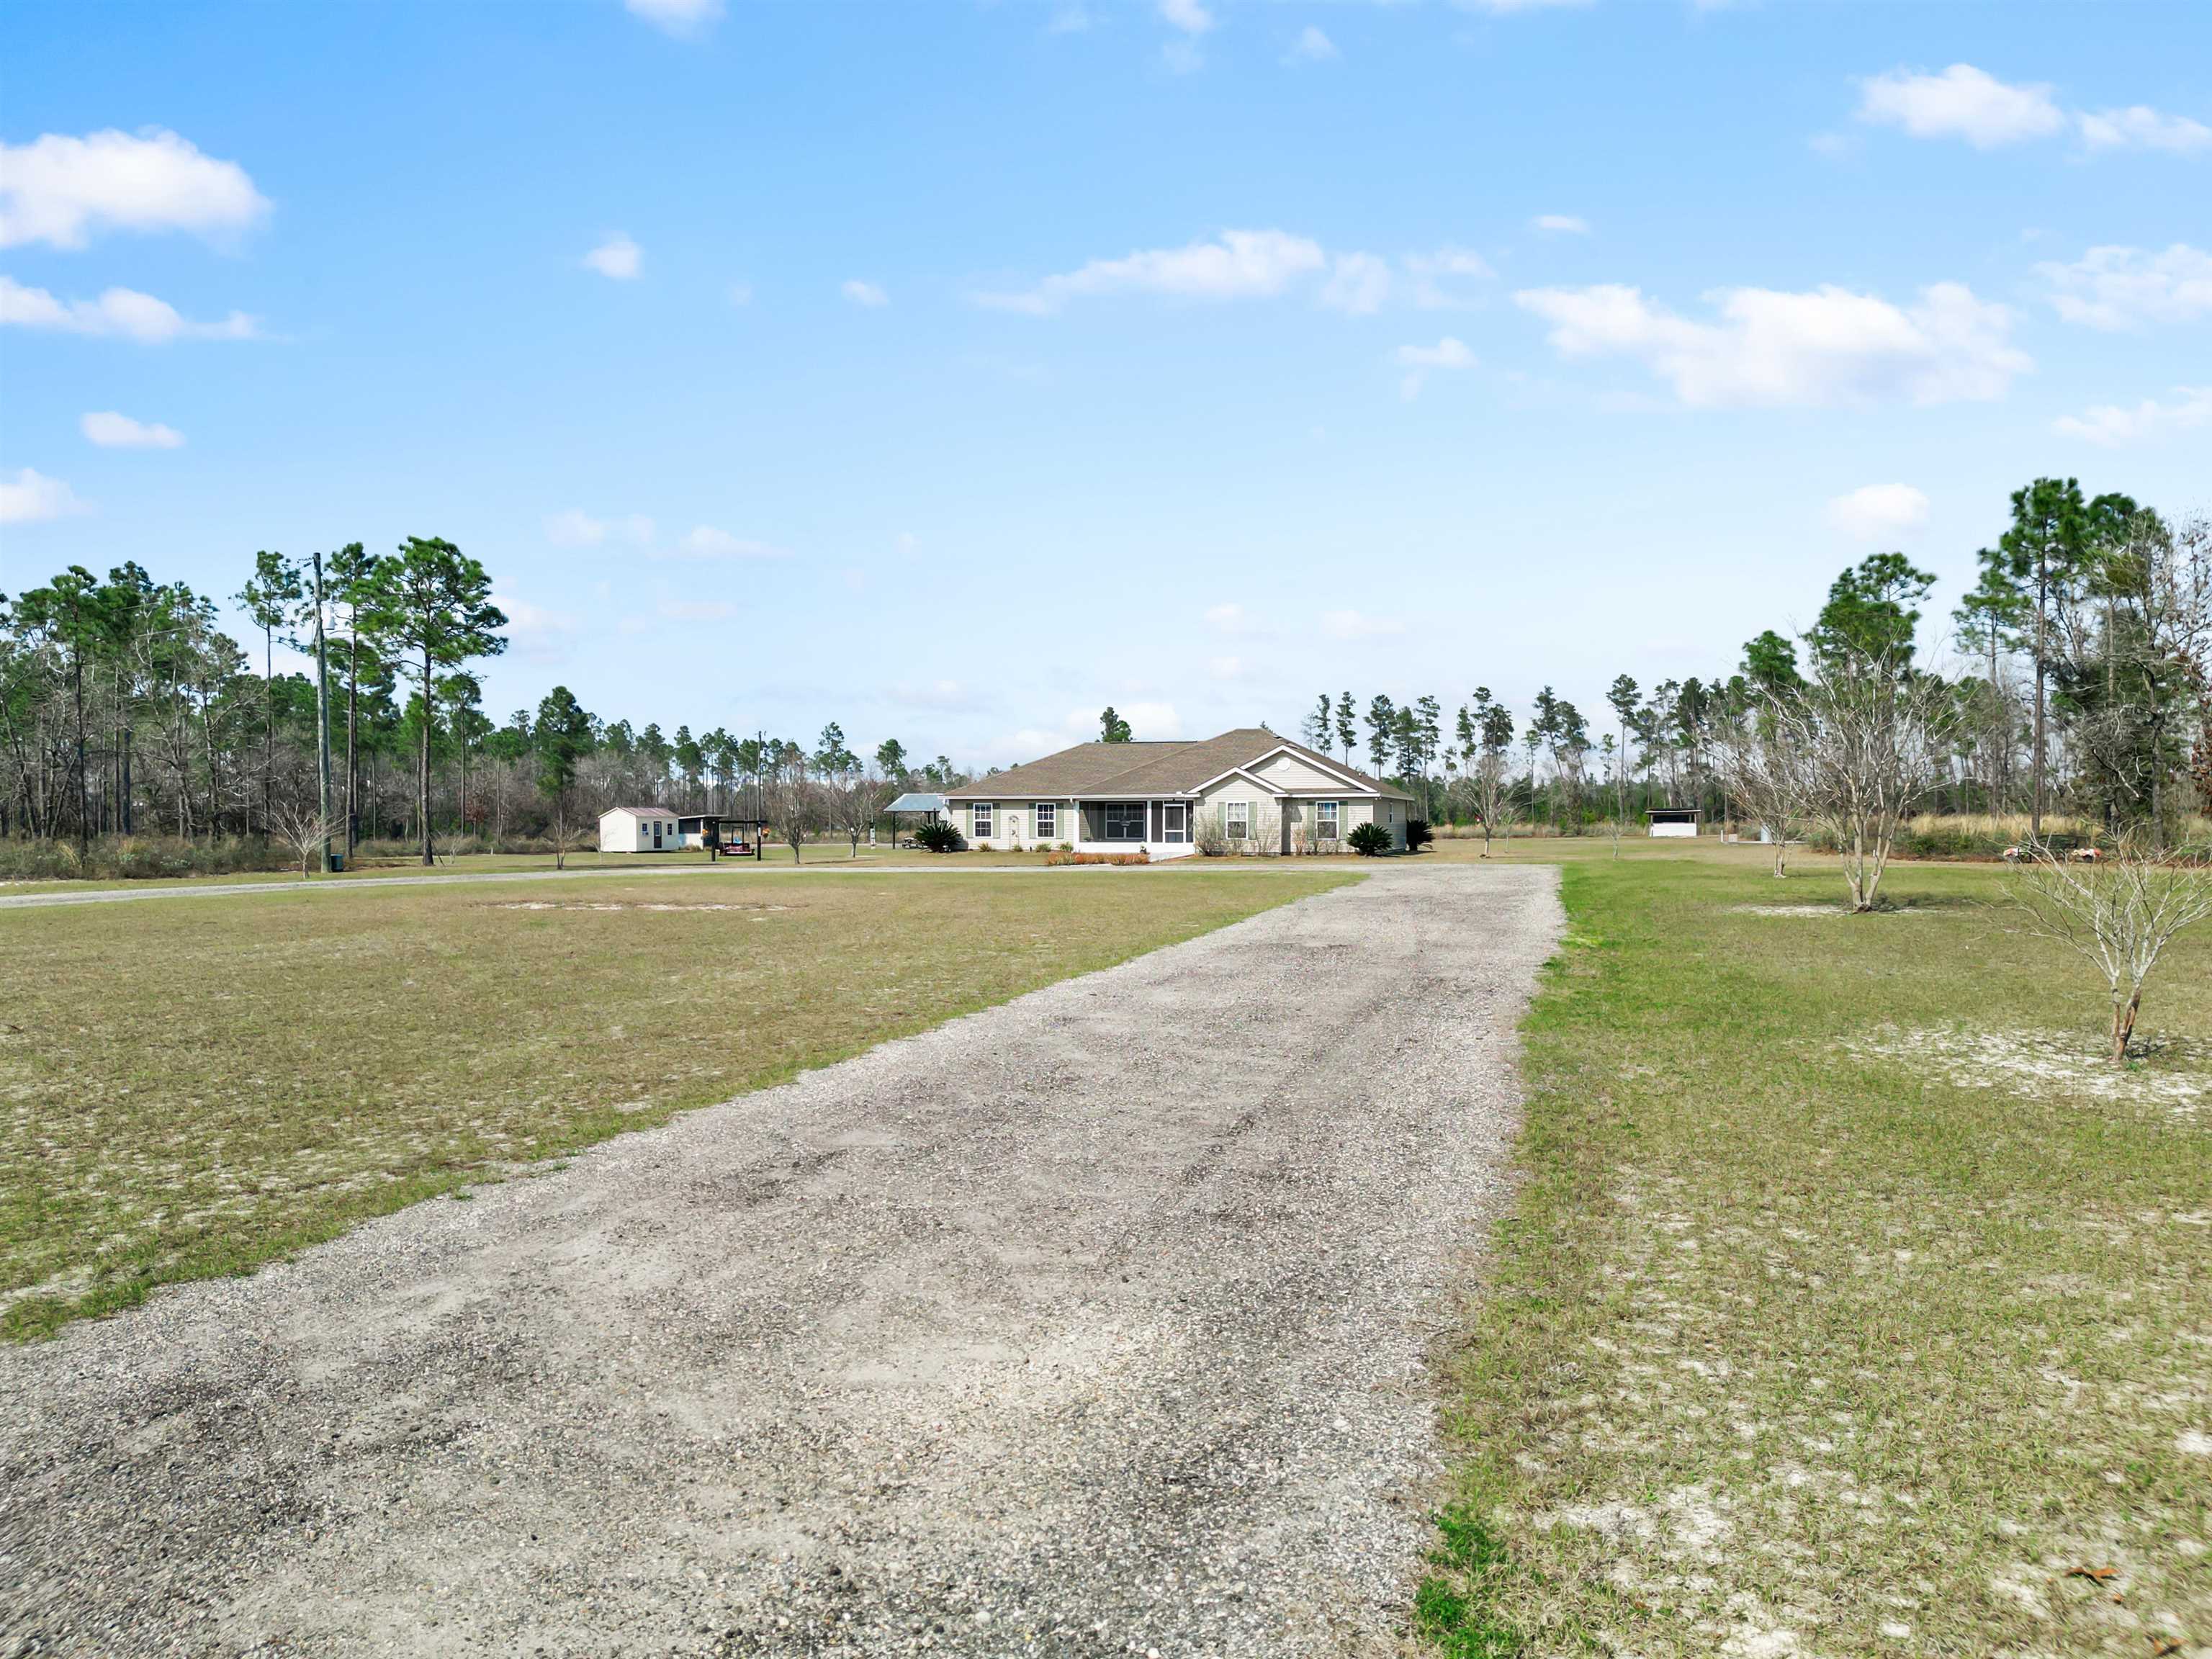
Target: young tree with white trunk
[(1762, 768), (1870, 734), (2120, 910)]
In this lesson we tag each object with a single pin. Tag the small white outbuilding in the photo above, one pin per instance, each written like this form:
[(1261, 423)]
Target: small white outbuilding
[(637, 829), (1666, 821)]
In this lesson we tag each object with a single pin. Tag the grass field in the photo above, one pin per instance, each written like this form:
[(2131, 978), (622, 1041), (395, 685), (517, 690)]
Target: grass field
[(837, 853), (195, 1087), (1850, 1305)]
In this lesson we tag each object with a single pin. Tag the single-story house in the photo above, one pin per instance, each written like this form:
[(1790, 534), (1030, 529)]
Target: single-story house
[(1264, 793), (657, 830)]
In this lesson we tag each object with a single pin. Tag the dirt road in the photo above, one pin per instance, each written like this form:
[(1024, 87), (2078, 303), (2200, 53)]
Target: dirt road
[(1096, 1323)]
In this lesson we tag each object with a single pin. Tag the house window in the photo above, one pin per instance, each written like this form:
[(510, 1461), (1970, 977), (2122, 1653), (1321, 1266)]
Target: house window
[(1122, 820), (981, 811), (1325, 819), (1047, 820), (1237, 820)]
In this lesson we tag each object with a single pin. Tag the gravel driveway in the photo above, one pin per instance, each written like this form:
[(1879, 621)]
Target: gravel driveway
[(1096, 1323)]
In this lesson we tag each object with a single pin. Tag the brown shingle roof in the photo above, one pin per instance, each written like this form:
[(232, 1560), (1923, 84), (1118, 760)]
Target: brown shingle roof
[(1148, 769)]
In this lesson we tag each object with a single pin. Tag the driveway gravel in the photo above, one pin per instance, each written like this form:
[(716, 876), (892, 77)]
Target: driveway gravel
[(1098, 1323)]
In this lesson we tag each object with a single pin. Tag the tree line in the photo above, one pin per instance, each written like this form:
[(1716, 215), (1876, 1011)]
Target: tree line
[(125, 711), (2078, 683)]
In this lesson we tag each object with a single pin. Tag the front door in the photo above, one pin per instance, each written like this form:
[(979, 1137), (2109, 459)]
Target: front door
[(1174, 821)]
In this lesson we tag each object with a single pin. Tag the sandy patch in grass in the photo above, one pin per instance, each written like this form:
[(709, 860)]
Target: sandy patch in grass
[(2043, 1062), (1836, 910)]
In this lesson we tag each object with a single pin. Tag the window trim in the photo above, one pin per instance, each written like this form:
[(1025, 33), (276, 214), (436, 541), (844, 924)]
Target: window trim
[(982, 818), (1234, 811), (1044, 812), (1334, 812)]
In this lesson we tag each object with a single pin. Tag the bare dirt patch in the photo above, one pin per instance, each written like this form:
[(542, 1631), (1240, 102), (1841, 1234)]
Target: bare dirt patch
[(2171, 1073)]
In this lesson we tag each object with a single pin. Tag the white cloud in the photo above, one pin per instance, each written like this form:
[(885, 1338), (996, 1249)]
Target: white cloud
[(705, 542), (120, 312), (1962, 102), (113, 431), (1225, 668), (1311, 46), (538, 635), (949, 696), (1875, 513), (1070, 19), (1227, 618), (618, 258), (684, 19), (1446, 353), (2111, 426), (864, 294), (2124, 288), (696, 611), (1775, 350), (1188, 15), (1439, 277), (1355, 625), (2140, 127), (30, 496), (577, 528), (1358, 284), (741, 294), (1561, 224), (1238, 264), (1501, 7), (61, 189), (1148, 722)]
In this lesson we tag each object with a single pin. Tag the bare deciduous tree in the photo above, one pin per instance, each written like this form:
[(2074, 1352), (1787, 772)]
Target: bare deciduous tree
[(1493, 795), (855, 805), (794, 805), (1870, 734), (1761, 767), (2120, 910), (307, 831)]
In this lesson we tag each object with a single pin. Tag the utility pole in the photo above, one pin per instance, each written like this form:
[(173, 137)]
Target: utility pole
[(760, 799), (322, 716)]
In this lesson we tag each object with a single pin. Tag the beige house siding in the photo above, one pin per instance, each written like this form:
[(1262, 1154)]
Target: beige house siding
[(1291, 772), (1266, 815), (1007, 812)]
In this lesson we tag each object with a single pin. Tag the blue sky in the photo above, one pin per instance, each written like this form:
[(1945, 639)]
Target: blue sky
[(951, 370)]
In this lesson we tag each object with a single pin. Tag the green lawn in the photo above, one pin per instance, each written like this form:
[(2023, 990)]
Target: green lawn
[(193, 1086), (1850, 1306)]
